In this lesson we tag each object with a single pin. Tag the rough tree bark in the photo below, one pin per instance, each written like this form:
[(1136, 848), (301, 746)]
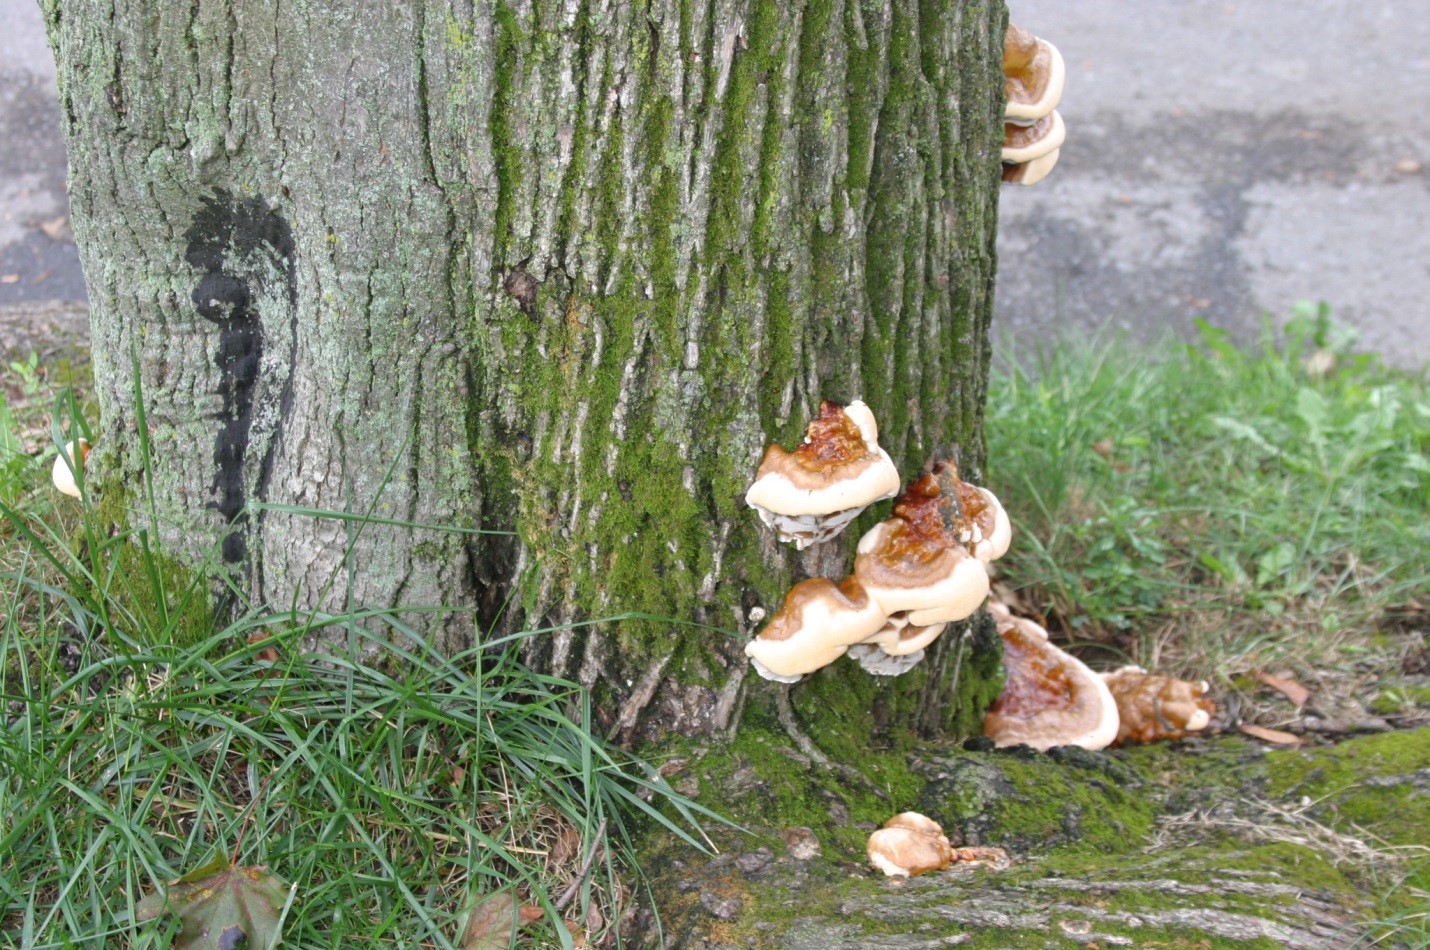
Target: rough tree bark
[(561, 268)]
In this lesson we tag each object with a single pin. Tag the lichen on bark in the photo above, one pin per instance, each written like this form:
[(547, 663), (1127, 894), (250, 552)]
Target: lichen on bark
[(560, 267)]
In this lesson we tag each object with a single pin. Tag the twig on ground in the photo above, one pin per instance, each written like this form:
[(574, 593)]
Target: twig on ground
[(580, 877)]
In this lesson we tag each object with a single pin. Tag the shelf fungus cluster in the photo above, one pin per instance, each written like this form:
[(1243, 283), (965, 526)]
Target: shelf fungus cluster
[(916, 572), (1050, 698), (1033, 132)]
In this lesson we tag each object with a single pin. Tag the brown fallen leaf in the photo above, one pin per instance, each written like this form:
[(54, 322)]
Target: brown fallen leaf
[(1291, 689), (490, 924), (567, 847), (57, 229), (1273, 736), (268, 654), (578, 934), (221, 905)]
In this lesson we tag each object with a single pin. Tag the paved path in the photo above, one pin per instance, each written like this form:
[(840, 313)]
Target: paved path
[(38, 260), (1223, 160), (1226, 160)]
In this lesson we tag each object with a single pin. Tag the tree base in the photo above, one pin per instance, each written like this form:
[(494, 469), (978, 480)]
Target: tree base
[(1199, 844)]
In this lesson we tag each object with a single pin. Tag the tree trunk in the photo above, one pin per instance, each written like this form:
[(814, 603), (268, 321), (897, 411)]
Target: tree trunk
[(560, 269)]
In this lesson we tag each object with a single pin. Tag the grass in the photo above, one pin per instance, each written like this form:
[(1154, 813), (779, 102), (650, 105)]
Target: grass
[(1213, 508), (1210, 510), (393, 786)]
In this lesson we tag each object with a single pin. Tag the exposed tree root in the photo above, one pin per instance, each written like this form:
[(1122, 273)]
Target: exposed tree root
[(785, 712)]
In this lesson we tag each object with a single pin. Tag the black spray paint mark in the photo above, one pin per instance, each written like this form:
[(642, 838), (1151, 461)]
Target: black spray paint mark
[(242, 247)]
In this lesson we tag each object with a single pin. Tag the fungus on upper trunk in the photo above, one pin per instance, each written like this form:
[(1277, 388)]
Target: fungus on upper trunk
[(1033, 76)]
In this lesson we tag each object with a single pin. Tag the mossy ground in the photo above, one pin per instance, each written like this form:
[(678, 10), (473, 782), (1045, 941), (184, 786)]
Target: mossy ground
[(1108, 846)]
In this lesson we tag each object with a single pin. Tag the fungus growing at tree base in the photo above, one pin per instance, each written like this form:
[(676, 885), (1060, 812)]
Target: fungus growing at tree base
[(1049, 697), (917, 571), (68, 465), (1152, 707)]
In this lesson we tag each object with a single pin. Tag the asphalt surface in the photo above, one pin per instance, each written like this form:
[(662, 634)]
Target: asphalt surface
[(1223, 162)]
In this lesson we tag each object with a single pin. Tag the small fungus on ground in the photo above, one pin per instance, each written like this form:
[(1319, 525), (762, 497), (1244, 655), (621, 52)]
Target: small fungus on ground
[(909, 844), (1050, 697), (1153, 707), (811, 494), (68, 465)]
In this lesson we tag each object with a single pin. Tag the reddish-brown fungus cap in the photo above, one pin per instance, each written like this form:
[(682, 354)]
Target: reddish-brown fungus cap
[(839, 465), (1152, 707), (1049, 697)]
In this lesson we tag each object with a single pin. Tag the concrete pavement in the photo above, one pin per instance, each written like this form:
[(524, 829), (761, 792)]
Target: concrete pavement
[(1223, 160)]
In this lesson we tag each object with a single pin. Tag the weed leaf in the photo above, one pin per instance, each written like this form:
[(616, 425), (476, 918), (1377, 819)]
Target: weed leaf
[(222, 906)]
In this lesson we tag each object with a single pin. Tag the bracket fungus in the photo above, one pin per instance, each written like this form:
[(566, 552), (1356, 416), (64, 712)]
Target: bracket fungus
[(811, 494), (1033, 76), (909, 844), (1050, 697), (68, 463), (1024, 143), (915, 572), (1152, 707), (818, 622)]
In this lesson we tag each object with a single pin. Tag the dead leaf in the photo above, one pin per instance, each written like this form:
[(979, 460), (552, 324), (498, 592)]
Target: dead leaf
[(268, 654), (1407, 166), (567, 848), (222, 906), (1273, 736), (578, 934), (57, 229), (1291, 689), (10, 279), (491, 923)]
